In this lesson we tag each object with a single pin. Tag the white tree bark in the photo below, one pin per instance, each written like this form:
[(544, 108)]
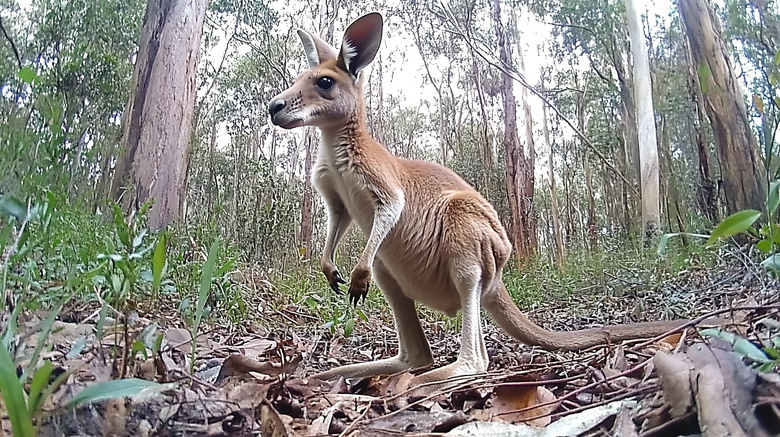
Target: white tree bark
[(648, 145)]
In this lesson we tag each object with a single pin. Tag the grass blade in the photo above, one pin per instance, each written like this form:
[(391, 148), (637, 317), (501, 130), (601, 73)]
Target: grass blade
[(13, 396), (203, 294), (158, 263), (40, 378)]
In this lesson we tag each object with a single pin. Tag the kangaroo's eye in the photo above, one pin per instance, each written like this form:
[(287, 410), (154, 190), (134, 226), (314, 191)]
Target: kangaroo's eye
[(325, 83)]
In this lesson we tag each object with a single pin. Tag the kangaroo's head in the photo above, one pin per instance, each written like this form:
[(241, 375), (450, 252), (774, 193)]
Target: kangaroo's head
[(329, 92)]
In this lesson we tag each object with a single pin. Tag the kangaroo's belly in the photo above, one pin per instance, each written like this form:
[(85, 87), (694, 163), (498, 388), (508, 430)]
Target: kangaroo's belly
[(416, 257)]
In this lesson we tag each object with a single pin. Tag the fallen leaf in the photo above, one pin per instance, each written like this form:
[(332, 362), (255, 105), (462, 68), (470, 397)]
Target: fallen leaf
[(624, 424), (508, 399), (236, 365), (674, 372), (568, 426), (271, 424), (256, 347)]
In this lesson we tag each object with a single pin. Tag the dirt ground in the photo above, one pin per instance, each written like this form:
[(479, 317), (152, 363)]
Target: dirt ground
[(250, 381)]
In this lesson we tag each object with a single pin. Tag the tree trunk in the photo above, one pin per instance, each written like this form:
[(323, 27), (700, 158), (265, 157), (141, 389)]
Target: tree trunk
[(742, 171), (706, 194), (528, 214), (675, 210), (646, 135), (591, 222), (211, 180), (554, 212), (238, 176), (156, 127), (307, 216), (513, 152), (487, 147)]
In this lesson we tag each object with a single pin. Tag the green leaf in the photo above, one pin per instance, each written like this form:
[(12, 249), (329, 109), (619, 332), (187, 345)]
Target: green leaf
[(205, 281), (664, 241), (772, 263), (158, 344), (122, 230), (46, 326), (777, 58), (740, 345), (13, 396), (348, 327), (139, 239), (147, 336), (734, 224), (203, 294), (773, 197), (158, 263), (361, 314), (764, 245), (39, 381), (27, 75), (13, 207), (139, 346), (137, 389), (77, 347)]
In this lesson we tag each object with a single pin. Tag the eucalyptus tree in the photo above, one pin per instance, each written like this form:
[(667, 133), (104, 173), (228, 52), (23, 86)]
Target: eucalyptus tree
[(742, 170), (646, 135), (156, 126), (753, 28), (596, 30)]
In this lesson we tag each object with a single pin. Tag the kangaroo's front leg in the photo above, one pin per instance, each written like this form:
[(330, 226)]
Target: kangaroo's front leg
[(387, 211), (338, 222)]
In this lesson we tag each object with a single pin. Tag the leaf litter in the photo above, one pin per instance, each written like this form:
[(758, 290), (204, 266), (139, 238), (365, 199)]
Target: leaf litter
[(250, 381)]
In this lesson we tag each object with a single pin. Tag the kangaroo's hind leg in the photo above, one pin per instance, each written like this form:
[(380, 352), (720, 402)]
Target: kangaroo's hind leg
[(472, 358), (413, 348)]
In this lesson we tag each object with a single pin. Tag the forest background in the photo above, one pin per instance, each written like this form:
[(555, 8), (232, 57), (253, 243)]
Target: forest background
[(590, 147)]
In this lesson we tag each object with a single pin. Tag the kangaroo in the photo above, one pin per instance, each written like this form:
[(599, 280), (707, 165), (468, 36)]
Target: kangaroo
[(431, 238)]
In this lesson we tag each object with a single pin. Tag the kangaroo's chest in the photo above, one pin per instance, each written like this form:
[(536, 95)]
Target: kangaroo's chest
[(338, 180)]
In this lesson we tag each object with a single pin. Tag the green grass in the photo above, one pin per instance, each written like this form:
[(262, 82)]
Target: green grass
[(630, 262)]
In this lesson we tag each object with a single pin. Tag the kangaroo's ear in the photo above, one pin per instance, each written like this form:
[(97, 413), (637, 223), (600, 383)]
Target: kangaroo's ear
[(361, 43), (317, 50)]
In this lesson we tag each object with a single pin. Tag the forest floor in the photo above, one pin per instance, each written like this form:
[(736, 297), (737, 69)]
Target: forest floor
[(248, 381)]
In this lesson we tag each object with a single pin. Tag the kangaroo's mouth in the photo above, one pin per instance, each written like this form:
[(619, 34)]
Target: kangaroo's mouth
[(292, 124), (287, 124)]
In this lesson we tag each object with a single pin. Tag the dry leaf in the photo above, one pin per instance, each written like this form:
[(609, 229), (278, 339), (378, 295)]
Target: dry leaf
[(257, 347), (624, 425), (674, 372), (240, 365), (508, 399), (271, 423)]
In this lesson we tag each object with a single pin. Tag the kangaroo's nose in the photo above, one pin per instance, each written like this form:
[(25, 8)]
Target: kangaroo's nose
[(276, 106)]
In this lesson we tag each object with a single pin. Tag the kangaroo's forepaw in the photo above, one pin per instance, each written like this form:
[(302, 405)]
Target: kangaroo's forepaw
[(334, 278), (358, 284)]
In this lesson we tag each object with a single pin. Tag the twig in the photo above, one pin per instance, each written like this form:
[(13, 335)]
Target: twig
[(356, 421), (700, 319), (11, 41), (662, 429), (630, 394), (581, 389)]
